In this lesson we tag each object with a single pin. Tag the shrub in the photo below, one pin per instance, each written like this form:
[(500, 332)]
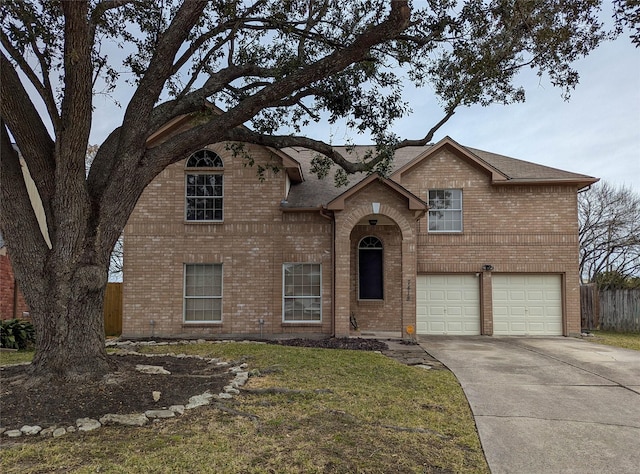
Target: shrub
[(17, 334)]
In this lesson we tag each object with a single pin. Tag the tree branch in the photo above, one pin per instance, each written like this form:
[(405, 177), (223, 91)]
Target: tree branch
[(43, 88), (136, 117), (31, 135), (429, 136), (18, 220)]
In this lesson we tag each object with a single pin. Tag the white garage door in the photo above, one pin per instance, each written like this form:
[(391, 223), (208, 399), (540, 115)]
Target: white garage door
[(448, 304), (527, 305)]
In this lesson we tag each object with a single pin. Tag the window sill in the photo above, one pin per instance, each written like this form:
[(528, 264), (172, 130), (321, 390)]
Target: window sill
[(201, 324), (301, 323), (203, 222)]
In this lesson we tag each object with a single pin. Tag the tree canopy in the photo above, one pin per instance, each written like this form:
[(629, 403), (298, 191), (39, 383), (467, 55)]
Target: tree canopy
[(244, 70)]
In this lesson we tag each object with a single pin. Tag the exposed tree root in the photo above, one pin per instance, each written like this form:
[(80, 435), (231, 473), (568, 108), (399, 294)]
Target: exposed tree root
[(287, 391), (231, 411)]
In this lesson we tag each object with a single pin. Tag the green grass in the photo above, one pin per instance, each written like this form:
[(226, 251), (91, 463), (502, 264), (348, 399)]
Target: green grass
[(357, 412), (17, 357), (627, 340)]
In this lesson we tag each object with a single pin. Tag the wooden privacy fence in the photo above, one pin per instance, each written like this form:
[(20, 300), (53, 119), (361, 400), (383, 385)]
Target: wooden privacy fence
[(610, 310), (113, 309), (589, 306)]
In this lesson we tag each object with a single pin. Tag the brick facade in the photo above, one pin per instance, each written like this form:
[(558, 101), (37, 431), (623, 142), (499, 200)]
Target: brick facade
[(12, 304), (517, 228), (252, 243)]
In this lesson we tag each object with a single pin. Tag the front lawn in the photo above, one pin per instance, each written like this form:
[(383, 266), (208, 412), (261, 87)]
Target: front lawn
[(15, 357), (305, 410), (629, 340)]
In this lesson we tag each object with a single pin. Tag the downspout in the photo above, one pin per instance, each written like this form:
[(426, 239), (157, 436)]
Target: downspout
[(324, 214), (15, 298)]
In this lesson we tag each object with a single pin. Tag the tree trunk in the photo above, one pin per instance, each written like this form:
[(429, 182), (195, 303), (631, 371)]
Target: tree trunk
[(69, 324)]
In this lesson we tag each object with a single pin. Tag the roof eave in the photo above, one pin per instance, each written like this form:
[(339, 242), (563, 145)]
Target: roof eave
[(581, 182)]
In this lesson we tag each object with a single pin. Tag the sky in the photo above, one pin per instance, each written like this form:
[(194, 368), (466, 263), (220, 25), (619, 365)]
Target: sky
[(596, 133)]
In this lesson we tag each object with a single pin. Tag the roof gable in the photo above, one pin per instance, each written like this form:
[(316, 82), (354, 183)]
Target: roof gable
[(185, 122), (414, 203), (464, 153)]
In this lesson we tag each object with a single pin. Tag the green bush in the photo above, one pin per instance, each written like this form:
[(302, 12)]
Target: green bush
[(17, 334)]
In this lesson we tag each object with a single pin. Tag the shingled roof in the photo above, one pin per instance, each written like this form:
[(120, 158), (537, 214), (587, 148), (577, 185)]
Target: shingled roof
[(313, 192)]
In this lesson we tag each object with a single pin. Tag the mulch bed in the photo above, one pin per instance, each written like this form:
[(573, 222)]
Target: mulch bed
[(126, 390)]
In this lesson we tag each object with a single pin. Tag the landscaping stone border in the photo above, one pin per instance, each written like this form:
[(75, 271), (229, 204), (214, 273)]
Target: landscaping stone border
[(241, 376)]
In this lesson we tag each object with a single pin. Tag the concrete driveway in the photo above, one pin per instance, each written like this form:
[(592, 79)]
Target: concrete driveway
[(548, 405)]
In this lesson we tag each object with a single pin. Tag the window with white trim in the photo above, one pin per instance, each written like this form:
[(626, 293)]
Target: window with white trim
[(445, 210), (204, 190), (203, 293), (302, 287), (370, 269)]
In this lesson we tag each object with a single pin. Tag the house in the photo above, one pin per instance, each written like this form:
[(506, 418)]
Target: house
[(454, 241)]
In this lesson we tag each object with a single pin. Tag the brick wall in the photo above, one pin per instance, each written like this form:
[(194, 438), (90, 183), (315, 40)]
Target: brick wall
[(8, 307), (396, 228), (517, 229), (252, 244)]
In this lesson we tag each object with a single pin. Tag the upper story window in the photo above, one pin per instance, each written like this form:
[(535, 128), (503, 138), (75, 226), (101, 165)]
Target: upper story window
[(445, 210), (204, 187), (370, 269)]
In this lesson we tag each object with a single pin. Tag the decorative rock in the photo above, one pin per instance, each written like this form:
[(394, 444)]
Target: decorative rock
[(87, 424), (13, 433), (31, 430), (224, 395), (240, 379), (159, 414), (155, 395), (152, 369), (135, 419), (199, 400), (231, 389), (59, 432), (48, 431), (179, 409), (71, 429), (423, 366)]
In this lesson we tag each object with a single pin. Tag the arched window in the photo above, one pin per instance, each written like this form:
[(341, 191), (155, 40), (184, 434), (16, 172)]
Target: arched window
[(204, 187), (370, 269)]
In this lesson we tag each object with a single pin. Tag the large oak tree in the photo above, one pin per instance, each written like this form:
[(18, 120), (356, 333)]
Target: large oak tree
[(267, 66)]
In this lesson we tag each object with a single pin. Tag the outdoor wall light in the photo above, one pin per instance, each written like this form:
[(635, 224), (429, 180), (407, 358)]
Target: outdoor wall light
[(373, 221), (487, 268)]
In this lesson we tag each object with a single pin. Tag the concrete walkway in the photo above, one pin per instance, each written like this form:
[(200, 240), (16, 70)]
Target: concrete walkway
[(549, 405)]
